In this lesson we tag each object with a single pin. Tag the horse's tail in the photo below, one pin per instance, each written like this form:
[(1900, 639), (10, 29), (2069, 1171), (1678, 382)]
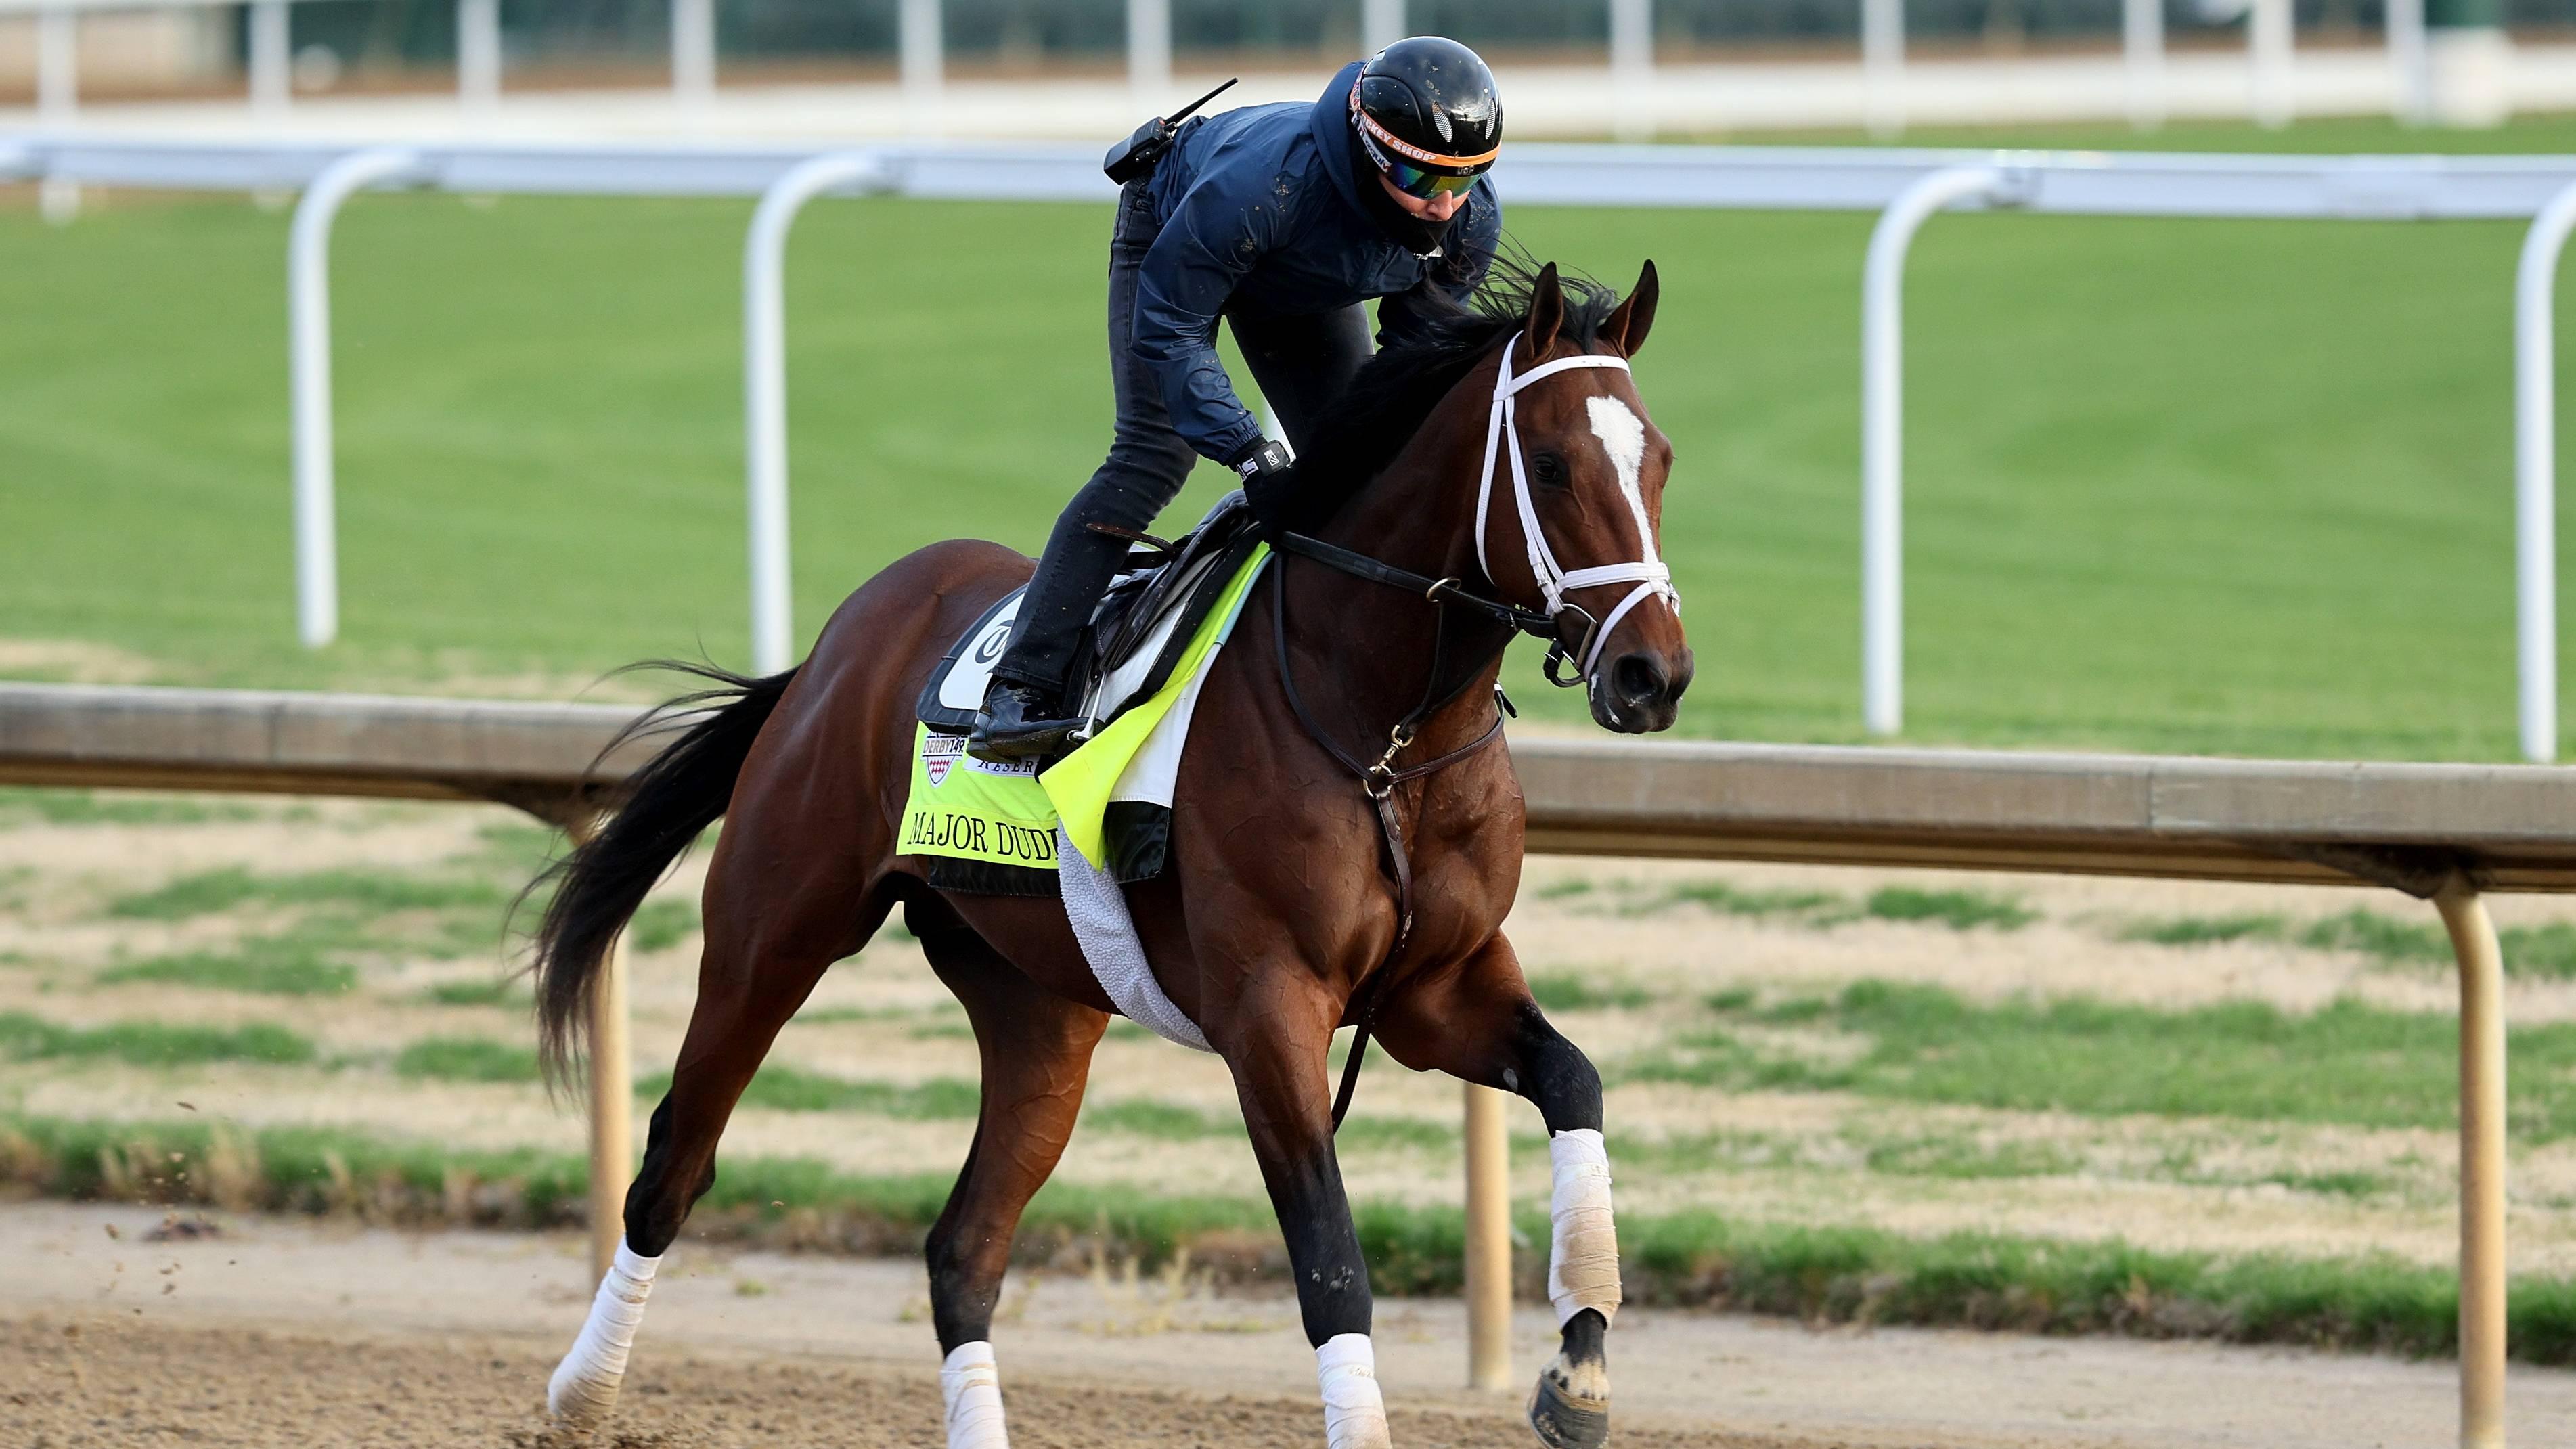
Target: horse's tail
[(664, 806)]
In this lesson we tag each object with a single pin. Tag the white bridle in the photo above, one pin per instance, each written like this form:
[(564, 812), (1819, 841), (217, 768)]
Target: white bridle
[(1651, 577)]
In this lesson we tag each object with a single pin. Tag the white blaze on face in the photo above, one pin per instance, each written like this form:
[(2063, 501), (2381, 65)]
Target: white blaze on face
[(1623, 437)]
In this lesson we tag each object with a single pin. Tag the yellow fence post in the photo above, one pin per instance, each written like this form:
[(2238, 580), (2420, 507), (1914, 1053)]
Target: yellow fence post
[(612, 1099), (612, 1112), (2482, 1164), (1489, 1241)]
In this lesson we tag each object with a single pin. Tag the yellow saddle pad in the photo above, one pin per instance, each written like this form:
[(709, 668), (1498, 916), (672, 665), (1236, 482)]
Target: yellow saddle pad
[(1111, 797)]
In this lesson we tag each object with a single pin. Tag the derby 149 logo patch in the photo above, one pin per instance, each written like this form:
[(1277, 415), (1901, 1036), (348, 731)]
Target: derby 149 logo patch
[(940, 754)]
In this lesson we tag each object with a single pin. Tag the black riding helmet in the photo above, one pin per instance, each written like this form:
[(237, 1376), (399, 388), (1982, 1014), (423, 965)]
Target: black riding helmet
[(1428, 115)]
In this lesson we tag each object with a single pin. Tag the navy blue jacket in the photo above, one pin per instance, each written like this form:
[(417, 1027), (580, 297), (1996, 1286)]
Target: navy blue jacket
[(1261, 211)]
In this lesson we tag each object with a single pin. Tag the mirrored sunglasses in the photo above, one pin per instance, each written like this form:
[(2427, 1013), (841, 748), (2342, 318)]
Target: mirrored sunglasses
[(1416, 181)]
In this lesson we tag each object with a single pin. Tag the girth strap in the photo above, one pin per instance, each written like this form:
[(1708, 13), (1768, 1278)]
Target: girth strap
[(1378, 782)]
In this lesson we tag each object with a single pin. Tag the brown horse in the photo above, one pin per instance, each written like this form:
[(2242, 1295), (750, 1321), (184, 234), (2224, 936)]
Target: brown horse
[(1305, 891)]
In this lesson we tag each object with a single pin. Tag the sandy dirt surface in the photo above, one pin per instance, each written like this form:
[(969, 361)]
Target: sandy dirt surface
[(110, 1382), (277, 1332)]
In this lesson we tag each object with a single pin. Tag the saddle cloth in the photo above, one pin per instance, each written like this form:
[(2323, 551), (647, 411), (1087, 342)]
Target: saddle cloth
[(1100, 817), (994, 827)]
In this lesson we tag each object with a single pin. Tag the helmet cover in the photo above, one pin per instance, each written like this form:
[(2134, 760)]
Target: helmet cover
[(1428, 114)]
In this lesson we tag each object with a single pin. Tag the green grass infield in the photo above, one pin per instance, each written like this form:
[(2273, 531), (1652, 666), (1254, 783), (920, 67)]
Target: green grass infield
[(2226, 486), (1819, 1274)]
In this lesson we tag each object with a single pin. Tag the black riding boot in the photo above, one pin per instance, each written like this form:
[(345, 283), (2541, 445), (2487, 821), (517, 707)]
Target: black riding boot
[(1026, 706), (1019, 722)]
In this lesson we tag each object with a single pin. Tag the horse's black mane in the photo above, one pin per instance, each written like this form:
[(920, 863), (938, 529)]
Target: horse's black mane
[(1359, 433)]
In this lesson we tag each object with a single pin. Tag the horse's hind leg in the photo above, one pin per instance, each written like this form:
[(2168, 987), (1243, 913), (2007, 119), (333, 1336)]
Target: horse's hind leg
[(1036, 1050), (761, 961)]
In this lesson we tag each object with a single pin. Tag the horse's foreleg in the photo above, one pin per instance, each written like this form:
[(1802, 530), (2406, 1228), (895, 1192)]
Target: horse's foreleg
[(751, 979), (1480, 1024), (1571, 1406), (1286, 1091), (1036, 1049)]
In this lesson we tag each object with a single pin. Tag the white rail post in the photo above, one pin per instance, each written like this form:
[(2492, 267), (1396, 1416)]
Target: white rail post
[(2267, 39), (2535, 475), (693, 51), (308, 307), (2410, 62), (1381, 24), (919, 36), (2470, 55), (1882, 435), (478, 54), (57, 101), (1632, 69), (1882, 65), (1149, 50), (2482, 1163), (764, 371), (272, 59), (2142, 50), (57, 66)]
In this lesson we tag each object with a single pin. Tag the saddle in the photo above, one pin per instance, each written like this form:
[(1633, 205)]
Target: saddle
[(1154, 606)]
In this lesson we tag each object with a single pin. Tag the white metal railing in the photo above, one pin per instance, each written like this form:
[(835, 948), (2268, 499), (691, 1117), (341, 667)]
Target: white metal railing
[(308, 306), (1882, 432), (271, 58), (1629, 71), (2384, 187), (764, 372), (2535, 473), (1899, 183)]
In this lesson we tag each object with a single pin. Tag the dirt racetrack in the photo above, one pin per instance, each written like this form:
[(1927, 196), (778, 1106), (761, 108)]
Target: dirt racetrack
[(115, 1332), (96, 1381)]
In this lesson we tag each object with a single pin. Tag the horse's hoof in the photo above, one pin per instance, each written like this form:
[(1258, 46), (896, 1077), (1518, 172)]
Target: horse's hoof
[(581, 1395), (1571, 1409), (584, 1406)]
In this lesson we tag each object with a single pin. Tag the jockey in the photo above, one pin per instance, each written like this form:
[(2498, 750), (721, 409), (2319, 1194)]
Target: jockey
[(1283, 219)]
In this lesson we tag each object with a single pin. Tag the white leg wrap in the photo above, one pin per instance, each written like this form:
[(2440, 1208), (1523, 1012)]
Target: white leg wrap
[(972, 1389), (1583, 1257), (584, 1387), (1354, 1410)]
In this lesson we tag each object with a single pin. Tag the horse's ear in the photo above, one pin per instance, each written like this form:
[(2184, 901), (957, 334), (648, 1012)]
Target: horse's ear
[(1626, 327), (1546, 313)]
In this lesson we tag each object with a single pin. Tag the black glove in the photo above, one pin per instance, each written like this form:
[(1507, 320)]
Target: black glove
[(1269, 485)]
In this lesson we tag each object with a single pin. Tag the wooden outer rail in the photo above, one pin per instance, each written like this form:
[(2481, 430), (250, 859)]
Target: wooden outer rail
[(2441, 833)]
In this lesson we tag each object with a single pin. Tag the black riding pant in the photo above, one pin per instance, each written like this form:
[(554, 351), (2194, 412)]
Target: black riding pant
[(1300, 363)]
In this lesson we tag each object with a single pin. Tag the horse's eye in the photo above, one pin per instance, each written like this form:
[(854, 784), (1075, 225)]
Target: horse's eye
[(1549, 469)]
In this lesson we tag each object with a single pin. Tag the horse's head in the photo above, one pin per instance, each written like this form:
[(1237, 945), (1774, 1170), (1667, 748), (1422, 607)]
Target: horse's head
[(1574, 475)]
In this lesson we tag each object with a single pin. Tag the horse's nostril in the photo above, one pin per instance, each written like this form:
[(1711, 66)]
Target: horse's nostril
[(1639, 678)]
